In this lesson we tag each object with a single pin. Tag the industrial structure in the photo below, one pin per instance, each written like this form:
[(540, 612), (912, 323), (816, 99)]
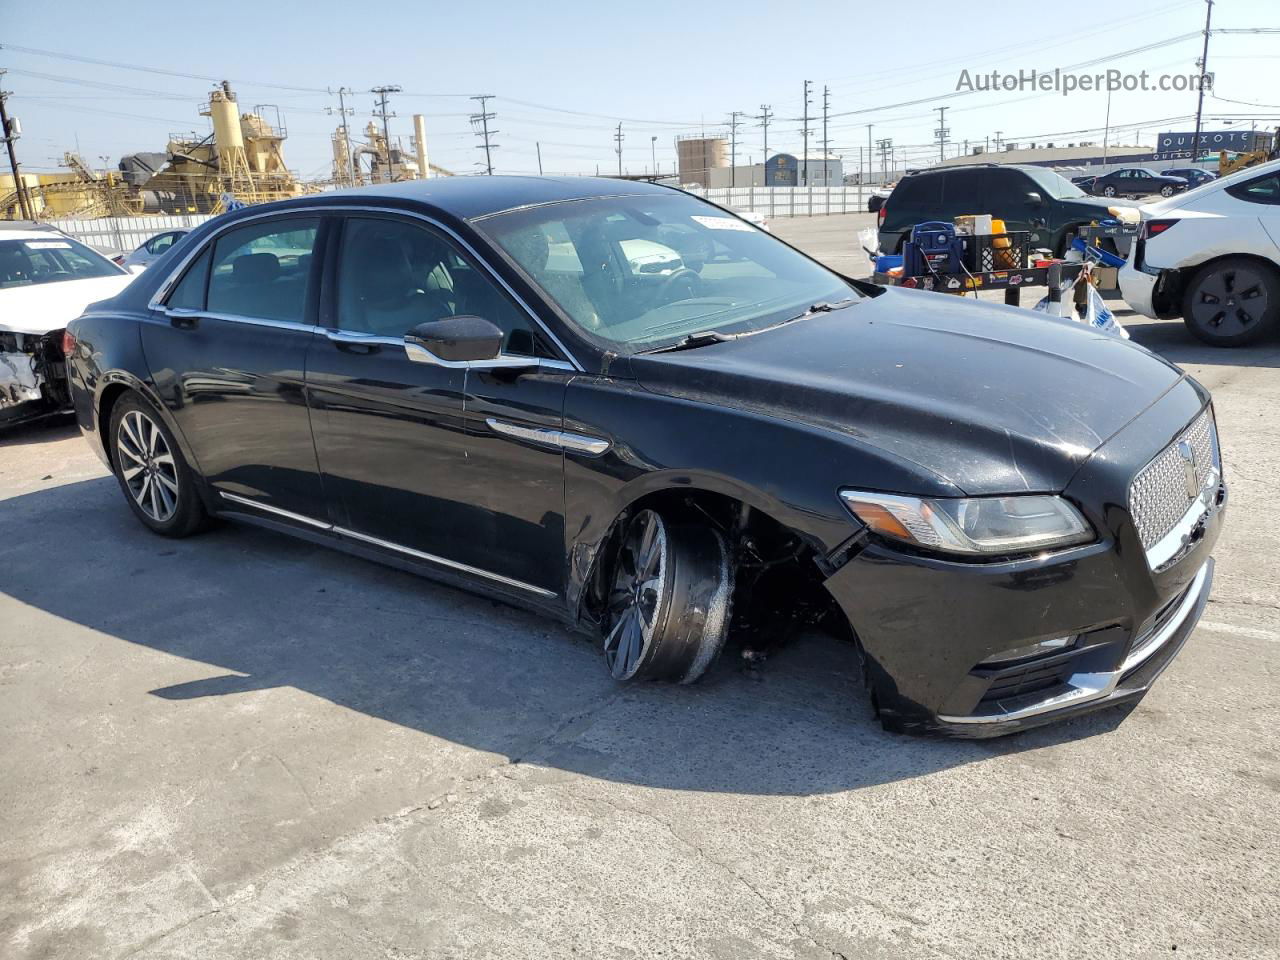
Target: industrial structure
[(697, 156), (240, 161)]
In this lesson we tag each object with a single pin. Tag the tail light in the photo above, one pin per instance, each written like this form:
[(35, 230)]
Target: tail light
[(1153, 228), (883, 212), (68, 343)]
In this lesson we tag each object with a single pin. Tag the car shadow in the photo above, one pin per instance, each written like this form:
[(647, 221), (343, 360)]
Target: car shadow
[(1171, 340), (263, 610)]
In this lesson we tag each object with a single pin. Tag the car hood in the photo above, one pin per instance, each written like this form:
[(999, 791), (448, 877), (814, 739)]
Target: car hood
[(43, 307), (986, 398)]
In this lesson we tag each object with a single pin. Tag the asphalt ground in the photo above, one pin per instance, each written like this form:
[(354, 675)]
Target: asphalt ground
[(241, 745)]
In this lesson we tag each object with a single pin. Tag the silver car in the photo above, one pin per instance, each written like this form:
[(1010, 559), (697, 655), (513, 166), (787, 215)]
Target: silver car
[(154, 248)]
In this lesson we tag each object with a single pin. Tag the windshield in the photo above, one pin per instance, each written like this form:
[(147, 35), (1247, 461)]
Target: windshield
[(50, 259), (640, 273), (1056, 185)]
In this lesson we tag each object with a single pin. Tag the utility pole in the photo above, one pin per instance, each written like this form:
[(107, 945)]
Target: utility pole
[(344, 111), (1203, 64), (804, 132), (870, 155), (653, 153), (482, 118), (1106, 132), (998, 132), (11, 130), (733, 147), (618, 137), (826, 144), (885, 146), (381, 106), (538, 144), (764, 116), (942, 133)]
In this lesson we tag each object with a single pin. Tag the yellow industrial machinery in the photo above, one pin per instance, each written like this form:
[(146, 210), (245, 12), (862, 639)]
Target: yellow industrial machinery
[(385, 163), (1229, 162)]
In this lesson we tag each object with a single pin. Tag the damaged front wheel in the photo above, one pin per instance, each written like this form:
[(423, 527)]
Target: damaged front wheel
[(668, 608)]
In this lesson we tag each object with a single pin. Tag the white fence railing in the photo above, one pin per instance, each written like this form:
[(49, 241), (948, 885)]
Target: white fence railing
[(774, 202), (124, 234)]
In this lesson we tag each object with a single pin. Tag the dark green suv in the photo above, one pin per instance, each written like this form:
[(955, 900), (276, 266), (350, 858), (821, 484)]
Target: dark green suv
[(1034, 199)]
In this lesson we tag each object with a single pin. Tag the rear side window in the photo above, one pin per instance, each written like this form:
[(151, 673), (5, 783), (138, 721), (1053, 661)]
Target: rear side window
[(263, 270), (158, 245), (919, 191), (965, 189), (189, 293), (1262, 190)]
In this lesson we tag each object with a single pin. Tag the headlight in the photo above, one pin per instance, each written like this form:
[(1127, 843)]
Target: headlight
[(974, 527)]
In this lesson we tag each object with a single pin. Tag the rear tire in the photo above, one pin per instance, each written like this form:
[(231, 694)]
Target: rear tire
[(1166, 191), (1108, 191), (157, 483), (667, 614), (1232, 302)]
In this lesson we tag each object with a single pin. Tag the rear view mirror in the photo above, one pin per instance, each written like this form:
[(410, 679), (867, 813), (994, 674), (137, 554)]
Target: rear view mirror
[(1034, 199), (460, 339)]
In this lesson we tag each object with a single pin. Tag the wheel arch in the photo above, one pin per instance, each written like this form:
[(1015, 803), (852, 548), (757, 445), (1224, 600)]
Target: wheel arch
[(115, 385)]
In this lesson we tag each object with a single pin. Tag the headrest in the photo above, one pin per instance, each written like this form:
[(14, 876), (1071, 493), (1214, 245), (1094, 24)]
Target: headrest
[(255, 268)]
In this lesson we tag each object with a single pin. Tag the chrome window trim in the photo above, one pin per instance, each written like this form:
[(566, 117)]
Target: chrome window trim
[(387, 544), (452, 564), (549, 437), (182, 313), (1087, 687), (162, 292)]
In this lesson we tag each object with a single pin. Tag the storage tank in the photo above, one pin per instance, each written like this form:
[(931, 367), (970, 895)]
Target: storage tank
[(225, 113), (696, 155)]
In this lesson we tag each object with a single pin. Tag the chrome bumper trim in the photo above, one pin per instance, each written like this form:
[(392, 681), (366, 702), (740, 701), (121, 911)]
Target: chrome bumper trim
[(1087, 687)]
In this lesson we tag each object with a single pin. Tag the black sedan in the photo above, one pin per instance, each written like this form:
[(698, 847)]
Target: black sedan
[(628, 408), (1136, 182)]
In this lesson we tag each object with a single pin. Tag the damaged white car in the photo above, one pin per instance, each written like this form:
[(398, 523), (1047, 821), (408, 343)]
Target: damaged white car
[(46, 281)]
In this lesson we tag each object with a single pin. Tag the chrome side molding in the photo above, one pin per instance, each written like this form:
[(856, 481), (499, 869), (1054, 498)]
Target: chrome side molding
[(547, 437), (388, 545)]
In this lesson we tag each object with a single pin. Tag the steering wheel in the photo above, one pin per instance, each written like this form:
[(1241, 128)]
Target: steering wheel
[(689, 278)]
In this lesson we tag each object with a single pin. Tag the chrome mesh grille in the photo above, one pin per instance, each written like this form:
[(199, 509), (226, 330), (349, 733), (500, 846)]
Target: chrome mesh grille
[(1159, 496)]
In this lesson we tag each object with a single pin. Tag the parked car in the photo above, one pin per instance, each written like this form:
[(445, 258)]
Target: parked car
[(1193, 175), (1028, 198), (1212, 257), (154, 248), (878, 196), (465, 377), (1137, 182), (46, 280)]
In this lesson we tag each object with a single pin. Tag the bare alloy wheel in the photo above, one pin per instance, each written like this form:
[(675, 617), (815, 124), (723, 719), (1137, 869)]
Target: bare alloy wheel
[(147, 466), (152, 473), (1232, 302), (1108, 191), (668, 609), (1166, 190)]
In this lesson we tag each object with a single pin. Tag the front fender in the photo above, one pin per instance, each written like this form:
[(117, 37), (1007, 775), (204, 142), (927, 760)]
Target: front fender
[(789, 470)]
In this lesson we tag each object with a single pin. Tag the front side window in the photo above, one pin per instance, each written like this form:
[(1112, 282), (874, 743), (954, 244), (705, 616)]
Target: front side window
[(639, 273), (262, 270), (394, 275), (28, 262)]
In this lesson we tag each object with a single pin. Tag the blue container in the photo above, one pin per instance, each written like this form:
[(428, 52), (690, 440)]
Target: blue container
[(886, 263), (933, 248)]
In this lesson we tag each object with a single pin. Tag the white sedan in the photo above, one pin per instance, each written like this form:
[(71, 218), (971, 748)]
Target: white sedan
[(46, 281), (1212, 257)]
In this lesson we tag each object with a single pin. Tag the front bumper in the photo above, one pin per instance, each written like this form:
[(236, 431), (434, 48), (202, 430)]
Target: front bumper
[(933, 630)]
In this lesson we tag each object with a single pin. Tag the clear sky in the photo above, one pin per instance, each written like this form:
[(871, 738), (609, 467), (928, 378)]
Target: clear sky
[(565, 73)]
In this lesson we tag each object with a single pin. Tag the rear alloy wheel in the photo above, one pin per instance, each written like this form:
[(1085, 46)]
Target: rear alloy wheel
[(668, 609), (1108, 191), (1166, 190), (153, 475), (1232, 302)]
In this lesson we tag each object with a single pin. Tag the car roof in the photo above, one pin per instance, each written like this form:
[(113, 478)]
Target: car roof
[(27, 230), (472, 197)]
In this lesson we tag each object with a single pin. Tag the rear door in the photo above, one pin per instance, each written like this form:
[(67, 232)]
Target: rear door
[(964, 192), (227, 350)]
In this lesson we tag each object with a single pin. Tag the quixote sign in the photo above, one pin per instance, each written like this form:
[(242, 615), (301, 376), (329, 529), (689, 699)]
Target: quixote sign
[(1175, 146)]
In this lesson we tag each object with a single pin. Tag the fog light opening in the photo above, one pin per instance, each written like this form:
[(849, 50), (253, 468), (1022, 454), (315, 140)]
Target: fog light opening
[(1032, 650)]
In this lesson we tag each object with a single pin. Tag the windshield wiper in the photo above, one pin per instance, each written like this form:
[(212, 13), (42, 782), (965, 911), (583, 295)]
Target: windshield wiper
[(695, 340), (823, 306)]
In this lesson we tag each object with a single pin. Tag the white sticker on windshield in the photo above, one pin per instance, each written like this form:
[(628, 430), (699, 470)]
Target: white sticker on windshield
[(47, 245), (724, 223)]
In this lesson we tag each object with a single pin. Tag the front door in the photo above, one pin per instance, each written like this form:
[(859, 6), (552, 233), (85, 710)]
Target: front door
[(227, 354), (400, 468)]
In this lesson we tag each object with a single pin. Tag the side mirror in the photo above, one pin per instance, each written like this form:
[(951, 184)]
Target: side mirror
[(461, 339), (1034, 199)]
